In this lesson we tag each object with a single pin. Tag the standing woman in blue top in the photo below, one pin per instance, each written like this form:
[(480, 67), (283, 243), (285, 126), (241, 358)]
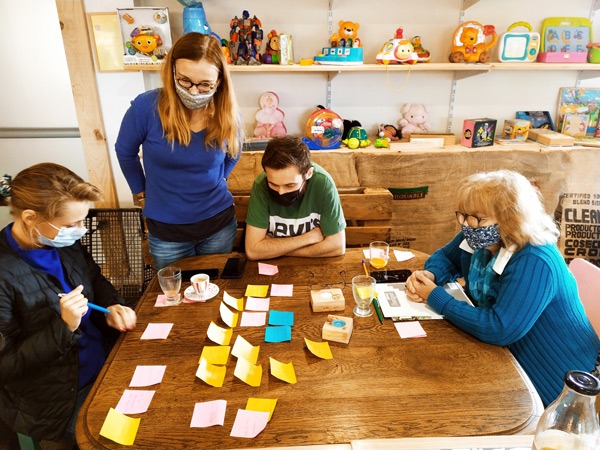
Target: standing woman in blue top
[(526, 298), (52, 344), (190, 134)]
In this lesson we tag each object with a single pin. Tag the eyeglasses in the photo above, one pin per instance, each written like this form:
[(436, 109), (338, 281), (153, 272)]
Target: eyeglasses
[(203, 87), (320, 286), (468, 219)]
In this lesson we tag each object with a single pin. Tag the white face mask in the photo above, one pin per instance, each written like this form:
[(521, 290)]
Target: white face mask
[(193, 101), (64, 238)]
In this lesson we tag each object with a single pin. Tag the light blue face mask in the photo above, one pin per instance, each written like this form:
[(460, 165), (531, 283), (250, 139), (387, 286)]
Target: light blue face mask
[(64, 238)]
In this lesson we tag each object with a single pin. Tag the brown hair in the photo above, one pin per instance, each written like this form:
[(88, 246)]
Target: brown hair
[(283, 152), (224, 117), (514, 202), (46, 187)]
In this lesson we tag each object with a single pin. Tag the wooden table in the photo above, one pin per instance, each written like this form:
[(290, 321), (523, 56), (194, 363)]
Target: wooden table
[(377, 386)]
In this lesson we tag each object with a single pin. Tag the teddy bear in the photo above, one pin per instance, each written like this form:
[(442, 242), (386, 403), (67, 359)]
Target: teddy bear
[(346, 35), (414, 119)]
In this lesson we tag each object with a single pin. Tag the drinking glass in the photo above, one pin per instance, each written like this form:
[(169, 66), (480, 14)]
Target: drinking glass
[(363, 290), (169, 279), (378, 254)]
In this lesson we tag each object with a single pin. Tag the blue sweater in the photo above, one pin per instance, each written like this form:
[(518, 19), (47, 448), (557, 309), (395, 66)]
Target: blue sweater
[(183, 185), (537, 312)]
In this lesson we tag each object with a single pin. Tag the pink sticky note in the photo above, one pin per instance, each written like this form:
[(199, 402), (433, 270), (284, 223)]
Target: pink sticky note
[(253, 319), (267, 269), (134, 401), (403, 255), (248, 424), (282, 290), (157, 331), (161, 300), (257, 304), (147, 376), (207, 414), (410, 329)]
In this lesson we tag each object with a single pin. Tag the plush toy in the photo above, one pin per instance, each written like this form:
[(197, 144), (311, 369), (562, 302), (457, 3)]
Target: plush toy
[(414, 119), (388, 132), (271, 55), (346, 35)]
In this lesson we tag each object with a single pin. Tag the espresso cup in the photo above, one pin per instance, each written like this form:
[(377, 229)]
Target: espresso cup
[(200, 282)]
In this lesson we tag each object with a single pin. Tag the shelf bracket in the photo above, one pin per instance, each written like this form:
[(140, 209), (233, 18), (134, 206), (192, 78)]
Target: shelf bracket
[(586, 75), (328, 93)]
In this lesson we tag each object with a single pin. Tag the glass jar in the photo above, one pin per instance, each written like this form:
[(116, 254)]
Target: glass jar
[(570, 422)]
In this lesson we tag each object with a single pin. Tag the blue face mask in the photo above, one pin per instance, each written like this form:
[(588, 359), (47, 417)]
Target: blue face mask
[(481, 237), (64, 238)]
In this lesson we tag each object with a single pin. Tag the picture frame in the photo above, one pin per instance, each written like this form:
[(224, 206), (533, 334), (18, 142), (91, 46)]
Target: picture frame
[(579, 101), (537, 119), (105, 34), (145, 36)]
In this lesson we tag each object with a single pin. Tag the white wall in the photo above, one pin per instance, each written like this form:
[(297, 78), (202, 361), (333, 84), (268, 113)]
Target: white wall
[(35, 88)]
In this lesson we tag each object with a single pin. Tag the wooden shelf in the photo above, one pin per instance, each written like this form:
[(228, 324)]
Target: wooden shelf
[(421, 67)]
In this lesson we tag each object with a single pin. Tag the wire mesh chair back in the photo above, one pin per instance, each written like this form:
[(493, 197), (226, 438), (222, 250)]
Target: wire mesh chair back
[(116, 239)]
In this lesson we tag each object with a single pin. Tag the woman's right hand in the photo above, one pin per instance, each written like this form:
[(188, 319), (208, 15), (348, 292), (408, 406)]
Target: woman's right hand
[(73, 307), (414, 284)]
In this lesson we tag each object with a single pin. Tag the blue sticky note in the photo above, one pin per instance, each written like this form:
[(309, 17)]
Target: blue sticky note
[(281, 317), (278, 334)]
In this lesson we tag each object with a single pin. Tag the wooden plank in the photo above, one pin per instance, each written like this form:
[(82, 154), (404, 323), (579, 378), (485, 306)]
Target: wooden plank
[(76, 40)]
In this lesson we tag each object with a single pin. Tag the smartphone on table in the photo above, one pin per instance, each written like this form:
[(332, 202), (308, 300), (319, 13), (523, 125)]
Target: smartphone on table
[(391, 276), (234, 267)]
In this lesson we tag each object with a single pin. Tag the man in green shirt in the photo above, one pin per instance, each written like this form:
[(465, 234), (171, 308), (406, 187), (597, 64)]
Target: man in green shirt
[(294, 206)]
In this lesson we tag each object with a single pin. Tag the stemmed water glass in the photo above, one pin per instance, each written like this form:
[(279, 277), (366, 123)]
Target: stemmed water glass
[(169, 279)]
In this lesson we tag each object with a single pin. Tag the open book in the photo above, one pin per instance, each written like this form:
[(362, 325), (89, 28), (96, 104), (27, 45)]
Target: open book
[(395, 304)]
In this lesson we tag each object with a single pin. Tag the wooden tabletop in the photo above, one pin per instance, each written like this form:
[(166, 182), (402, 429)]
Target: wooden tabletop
[(377, 386)]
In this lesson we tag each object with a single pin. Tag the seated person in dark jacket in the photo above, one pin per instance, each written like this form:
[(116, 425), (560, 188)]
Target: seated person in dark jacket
[(51, 350)]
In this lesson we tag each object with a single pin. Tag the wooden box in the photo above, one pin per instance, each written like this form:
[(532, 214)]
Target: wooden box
[(338, 329), (549, 137), (327, 300)]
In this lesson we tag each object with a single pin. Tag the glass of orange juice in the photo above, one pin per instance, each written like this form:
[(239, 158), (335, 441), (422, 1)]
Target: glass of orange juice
[(379, 252)]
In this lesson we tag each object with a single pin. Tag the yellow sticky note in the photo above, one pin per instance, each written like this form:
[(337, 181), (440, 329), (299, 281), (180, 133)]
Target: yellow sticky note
[(119, 428), (228, 316), (219, 335), (244, 349), (262, 404), (235, 303), (320, 349), (211, 374), (248, 372), (283, 371), (253, 290), (215, 354)]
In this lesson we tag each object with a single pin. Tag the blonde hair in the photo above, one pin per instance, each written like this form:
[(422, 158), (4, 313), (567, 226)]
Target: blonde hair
[(514, 202), (223, 113), (46, 187)]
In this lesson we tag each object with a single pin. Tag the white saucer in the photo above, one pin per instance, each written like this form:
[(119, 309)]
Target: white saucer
[(190, 295)]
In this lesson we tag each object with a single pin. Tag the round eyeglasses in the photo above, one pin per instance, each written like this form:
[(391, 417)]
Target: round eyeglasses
[(468, 219), (203, 87)]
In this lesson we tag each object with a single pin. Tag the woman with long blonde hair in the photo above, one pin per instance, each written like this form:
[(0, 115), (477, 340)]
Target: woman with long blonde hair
[(190, 135), (524, 294)]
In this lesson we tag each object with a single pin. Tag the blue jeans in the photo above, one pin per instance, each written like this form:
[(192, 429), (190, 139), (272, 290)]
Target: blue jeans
[(165, 253)]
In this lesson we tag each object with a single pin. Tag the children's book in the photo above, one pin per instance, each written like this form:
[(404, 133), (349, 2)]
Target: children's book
[(537, 119), (575, 125), (583, 101)]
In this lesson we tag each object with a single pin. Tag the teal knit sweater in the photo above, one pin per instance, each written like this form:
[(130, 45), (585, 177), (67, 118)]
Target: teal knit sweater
[(537, 313)]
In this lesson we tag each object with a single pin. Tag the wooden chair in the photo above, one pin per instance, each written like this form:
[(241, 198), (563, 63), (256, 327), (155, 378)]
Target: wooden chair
[(116, 240), (368, 216), (588, 283)]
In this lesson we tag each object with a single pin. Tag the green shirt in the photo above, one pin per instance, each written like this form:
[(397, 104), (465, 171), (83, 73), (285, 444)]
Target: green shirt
[(319, 207)]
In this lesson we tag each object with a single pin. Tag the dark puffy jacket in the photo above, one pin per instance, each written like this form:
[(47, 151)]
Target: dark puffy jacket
[(38, 353)]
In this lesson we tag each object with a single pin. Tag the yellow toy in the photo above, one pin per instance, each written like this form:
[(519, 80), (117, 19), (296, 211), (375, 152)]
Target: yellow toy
[(472, 42), (346, 35)]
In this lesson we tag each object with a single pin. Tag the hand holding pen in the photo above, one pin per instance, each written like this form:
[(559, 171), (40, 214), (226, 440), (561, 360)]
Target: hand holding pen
[(73, 306)]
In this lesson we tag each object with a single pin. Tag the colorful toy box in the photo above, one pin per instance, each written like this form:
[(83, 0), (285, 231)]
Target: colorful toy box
[(516, 129), (478, 132)]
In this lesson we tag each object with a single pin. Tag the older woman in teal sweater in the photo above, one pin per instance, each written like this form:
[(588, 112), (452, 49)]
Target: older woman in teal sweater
[(526, 298)]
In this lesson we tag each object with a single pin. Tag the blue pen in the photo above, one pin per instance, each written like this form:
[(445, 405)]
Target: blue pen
[(94, 306)]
